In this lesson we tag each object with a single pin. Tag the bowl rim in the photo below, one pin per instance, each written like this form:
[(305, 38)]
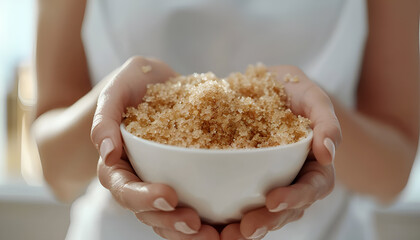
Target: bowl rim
[(124, 132)]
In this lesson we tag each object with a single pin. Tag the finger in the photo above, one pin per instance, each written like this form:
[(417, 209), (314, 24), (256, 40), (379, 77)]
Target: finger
[(317, 106), (314, 182), (126, 88), (289, 216), (206, 232), (184, 220), (256, 224), (311, 101), (232, 232), (133, 194)]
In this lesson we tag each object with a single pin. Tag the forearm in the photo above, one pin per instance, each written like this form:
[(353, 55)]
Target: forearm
[(61, 66), (67, 154), (374, 158), (64, 106), (380, 137)]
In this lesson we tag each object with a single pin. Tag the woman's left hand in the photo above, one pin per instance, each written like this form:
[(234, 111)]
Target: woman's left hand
[(316, 178), (284, 204)]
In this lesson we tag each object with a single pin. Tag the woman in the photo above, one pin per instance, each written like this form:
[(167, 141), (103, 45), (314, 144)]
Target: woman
[(326, 39)]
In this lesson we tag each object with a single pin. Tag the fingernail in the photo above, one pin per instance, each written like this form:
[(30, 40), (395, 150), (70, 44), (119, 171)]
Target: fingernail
[(162, 204), (184, 228), (106, 148), (329, 144), (259, 233), (279, 208)]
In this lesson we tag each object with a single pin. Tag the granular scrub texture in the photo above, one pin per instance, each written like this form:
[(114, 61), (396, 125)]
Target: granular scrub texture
[(248, 110)]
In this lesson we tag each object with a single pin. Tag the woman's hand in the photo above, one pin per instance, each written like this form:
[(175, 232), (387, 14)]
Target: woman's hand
[(316, 178), (154, 204)]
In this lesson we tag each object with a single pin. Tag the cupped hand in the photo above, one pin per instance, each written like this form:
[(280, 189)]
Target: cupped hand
[(153, 204), (316, 178)]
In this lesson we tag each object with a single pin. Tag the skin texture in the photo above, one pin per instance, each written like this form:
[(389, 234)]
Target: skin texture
[(375, 157), (66, 100), (387, 114), (127, 87)]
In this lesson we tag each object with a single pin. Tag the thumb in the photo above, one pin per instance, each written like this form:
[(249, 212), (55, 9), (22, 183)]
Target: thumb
[(105, 132), (126, 88), (114, 97), (106, 136)]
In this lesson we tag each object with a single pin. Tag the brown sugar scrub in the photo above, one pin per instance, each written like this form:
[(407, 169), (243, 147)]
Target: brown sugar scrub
[(248, 110)]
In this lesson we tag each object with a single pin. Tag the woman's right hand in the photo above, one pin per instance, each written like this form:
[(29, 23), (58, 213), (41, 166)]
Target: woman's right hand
[(154, 204)]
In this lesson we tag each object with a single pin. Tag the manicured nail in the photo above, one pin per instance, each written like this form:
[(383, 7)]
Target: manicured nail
[(279, 208), (259, 233), (184, 228), (162, 204), (329, 144), (106, 148)]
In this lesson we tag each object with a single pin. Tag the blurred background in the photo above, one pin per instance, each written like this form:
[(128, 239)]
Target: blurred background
[(27, 208)]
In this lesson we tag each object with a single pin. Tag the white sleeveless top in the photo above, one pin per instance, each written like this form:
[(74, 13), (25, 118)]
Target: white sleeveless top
[(325, 38)]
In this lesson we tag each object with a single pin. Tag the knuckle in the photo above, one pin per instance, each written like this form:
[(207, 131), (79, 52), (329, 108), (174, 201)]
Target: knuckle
[(293, 215), (142, 219), (330, 171), (155, 60), (94, 132), (331, 182), (338, 134), (308, 205), (299, 214), (103, 174), (294, 69), (159, 189), (185, 212), (332, 126), (327, 125), (159, 232), (312, 92), (136, 60), (322, 182), (118, 191), (319, 179), (314, 168), (210, 232), (277, 195)]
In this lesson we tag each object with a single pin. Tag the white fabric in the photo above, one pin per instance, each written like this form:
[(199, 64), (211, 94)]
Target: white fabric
[(325, 38)]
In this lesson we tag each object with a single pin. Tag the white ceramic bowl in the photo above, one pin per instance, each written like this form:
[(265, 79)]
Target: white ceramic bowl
[(220, 184)]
